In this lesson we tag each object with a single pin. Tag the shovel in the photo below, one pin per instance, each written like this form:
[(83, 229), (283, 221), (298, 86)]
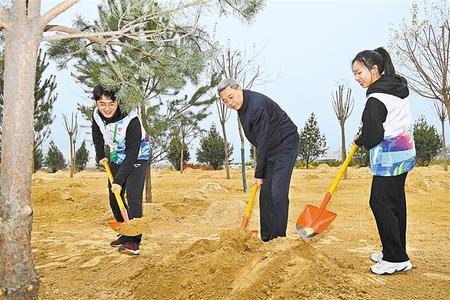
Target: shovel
[(127, 227), (313, 220), (248, 211)]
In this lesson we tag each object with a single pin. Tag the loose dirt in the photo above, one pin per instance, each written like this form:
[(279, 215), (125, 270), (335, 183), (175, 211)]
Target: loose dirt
[(193, 248)]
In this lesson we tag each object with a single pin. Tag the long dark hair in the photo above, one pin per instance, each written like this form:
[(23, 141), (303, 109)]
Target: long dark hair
[(378, 57)]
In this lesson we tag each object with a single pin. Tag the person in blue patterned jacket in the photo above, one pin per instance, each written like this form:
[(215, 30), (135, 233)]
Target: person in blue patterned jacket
[(387, 133), (129, 153)]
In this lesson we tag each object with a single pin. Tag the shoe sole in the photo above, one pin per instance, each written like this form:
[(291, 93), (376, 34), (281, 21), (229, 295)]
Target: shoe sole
[(395, 271), (128, 251), (116, 246)]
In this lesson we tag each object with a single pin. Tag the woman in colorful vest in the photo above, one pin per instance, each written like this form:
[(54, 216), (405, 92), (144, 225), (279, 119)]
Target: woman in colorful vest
[(387, 133), (129, 152)]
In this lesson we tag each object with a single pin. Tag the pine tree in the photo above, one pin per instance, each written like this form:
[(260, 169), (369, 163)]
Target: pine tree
[(211, 149), (312, 142), (38, 159), (54, 160), (81, 157), (44, 98), (174, 153), (427, 141)]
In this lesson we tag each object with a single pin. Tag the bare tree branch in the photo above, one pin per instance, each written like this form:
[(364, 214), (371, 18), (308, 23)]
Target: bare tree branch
[(56, 11), (96, 38)]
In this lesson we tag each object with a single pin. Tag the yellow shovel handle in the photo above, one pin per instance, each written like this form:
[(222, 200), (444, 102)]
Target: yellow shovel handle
[(342, 170), (248, 211), (111, 180)]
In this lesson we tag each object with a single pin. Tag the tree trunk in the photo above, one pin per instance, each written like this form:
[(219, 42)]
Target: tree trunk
[(32, 161), (148, 180), (447, 105), (444, 150), (182, 156), (71, 155), (241, 135), (343, 150), (225, 143), (148, 184), (18, 278)]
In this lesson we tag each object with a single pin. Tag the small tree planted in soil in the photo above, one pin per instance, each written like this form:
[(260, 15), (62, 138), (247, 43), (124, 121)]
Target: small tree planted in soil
[(211, 149), (54, 160), (81, 157), (312, 142), (427, 140)]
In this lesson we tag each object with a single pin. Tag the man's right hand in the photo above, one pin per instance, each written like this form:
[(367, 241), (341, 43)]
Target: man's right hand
[(102, 160), (258, 181)]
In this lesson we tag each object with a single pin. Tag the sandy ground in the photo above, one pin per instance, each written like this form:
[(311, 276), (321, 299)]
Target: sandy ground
[(194, 248)]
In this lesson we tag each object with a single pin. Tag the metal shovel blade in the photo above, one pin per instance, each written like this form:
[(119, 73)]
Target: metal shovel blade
[(131, 228), (310, 222)]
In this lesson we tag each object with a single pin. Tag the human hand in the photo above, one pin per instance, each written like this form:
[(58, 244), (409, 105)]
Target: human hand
[(116, 186), (258, 181), (101, 161)]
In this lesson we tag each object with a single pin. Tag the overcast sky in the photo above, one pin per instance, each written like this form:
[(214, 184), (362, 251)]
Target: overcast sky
[(304, 49)]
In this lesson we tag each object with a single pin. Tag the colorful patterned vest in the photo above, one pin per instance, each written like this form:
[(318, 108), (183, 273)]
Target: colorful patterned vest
[(396, 153), (114, 136)]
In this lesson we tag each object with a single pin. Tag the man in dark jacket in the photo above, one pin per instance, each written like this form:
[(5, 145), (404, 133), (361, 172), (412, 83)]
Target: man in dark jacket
[(275, 137)]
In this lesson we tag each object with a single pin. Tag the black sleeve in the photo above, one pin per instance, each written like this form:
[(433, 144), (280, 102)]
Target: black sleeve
[(261, 122), (99, 142), (132, 145), (373, 118)]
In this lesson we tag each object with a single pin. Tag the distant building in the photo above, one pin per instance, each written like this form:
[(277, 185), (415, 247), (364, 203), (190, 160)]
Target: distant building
[(334, 155)]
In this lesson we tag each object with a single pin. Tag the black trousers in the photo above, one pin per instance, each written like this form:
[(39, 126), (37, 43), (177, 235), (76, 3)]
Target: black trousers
[(274, 194), (134, 188), (388, 204)]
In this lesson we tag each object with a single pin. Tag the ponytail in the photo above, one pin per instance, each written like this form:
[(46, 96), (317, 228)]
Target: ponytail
[(378, 57), (388, 66)]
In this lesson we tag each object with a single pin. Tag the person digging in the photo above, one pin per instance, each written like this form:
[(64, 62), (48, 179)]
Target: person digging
[(276, 139), (128, 159)]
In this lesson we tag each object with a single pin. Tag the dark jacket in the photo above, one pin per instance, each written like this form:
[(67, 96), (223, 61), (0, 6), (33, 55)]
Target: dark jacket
[(375, 112), (133, 141), (266, 126)]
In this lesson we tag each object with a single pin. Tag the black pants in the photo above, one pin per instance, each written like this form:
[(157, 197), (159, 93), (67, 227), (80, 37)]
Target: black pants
[(388, 203), (274, 195), (134, 187)]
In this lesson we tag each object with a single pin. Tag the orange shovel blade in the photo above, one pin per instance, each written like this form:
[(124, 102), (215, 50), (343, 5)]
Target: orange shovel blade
[(308, 216), (114, 225)]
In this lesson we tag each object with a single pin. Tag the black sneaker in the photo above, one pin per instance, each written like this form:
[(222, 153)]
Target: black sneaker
[(131, 248), (119, 242)]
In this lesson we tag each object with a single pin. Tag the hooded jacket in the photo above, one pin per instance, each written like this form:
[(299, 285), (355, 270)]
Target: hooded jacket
[(387, 127)]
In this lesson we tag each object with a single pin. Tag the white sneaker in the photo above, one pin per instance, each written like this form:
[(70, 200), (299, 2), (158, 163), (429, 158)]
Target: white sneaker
[(386, 268), (376, 256)]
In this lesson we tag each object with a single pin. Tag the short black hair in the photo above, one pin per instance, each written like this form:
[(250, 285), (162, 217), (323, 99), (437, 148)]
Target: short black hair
[(99, 91)]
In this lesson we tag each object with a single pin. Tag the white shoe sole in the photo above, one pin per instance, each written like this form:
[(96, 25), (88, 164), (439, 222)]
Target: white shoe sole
[(401, 267), (128, 251)]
